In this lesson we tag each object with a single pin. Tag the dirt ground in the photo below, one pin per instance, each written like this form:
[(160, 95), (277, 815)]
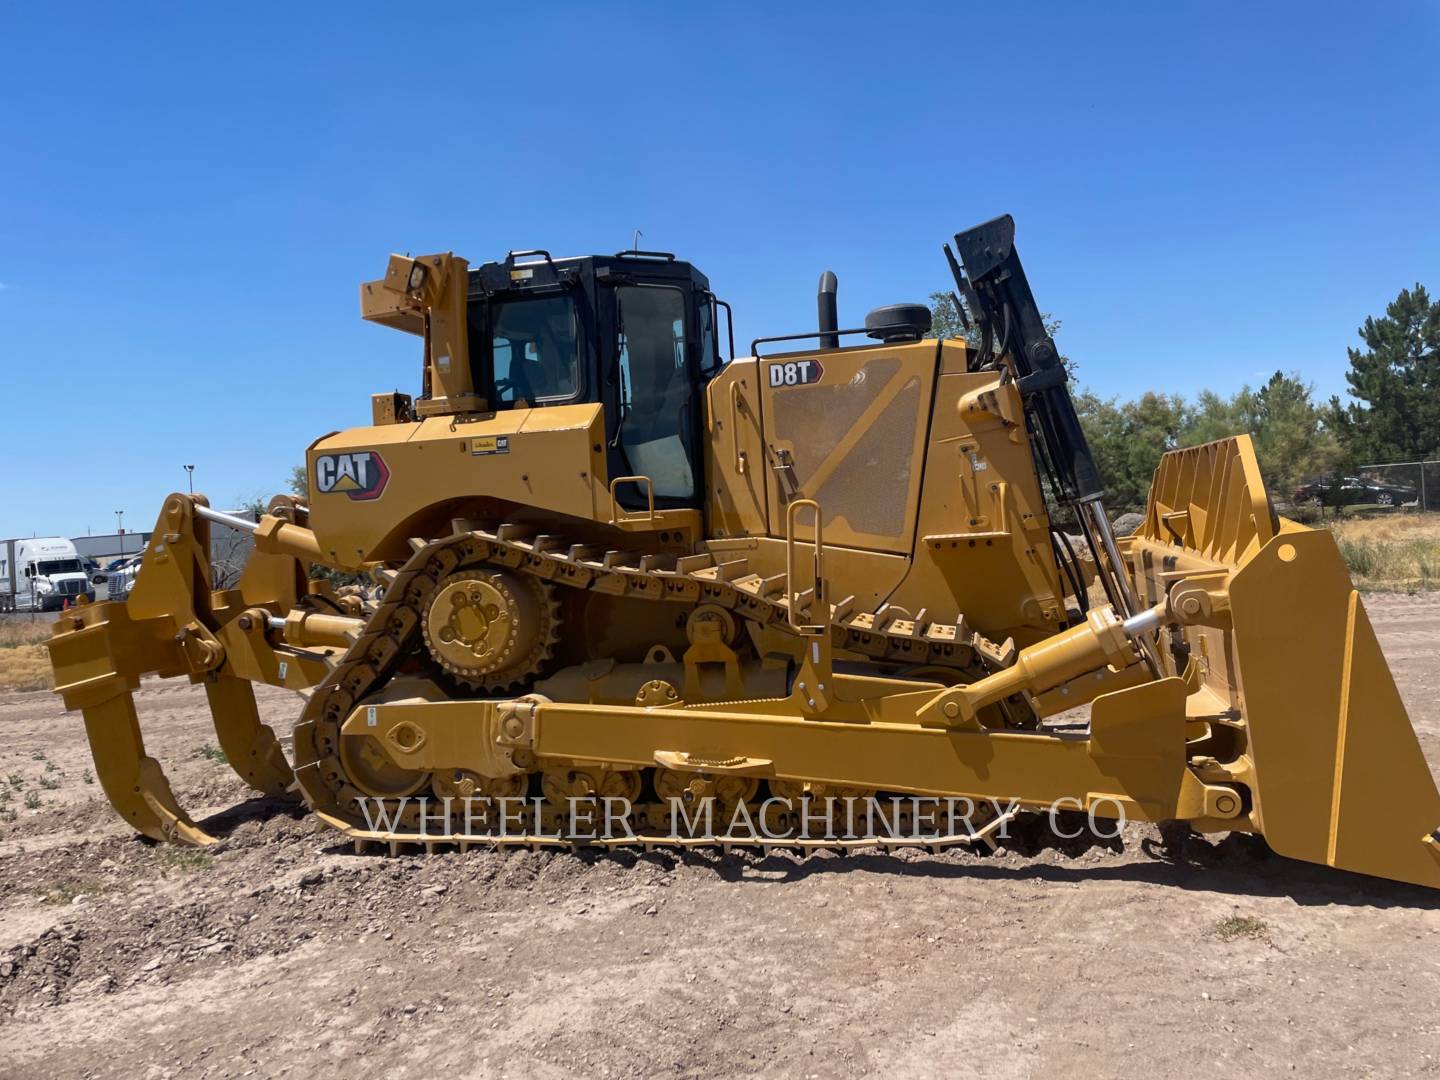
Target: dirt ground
[(284, 955)]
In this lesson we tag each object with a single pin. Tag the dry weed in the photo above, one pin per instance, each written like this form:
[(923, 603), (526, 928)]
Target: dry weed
[(25, 667), (1392, 552)]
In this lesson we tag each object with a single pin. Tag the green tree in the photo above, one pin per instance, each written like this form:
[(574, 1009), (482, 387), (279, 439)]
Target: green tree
[(1127, 439), (1396, 381), (947, 321), (1292, 437), (1212, 417), (299, 481)]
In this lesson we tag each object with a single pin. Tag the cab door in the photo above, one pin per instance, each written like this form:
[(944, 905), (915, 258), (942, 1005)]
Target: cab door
[(651, 395), (736, 474), (847, 428)]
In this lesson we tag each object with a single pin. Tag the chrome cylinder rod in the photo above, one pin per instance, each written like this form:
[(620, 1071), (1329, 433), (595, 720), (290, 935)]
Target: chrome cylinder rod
[(1112, 570), (1144, 622), (228, 520)]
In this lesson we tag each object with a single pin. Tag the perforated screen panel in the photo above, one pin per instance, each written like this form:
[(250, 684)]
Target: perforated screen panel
[(813, 419), (869, 488), (852, 438)]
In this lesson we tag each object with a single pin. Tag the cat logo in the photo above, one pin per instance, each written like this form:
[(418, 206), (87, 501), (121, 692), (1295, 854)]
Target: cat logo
[(360, 474), (795, 372)]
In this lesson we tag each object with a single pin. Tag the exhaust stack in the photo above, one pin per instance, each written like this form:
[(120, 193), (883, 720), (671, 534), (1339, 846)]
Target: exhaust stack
[(829, 312)]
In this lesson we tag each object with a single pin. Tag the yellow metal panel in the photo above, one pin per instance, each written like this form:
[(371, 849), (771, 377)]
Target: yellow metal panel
[(549, 459), (954, 356), (1341, 777), (735, 464), (1211, 500), (984, 548), (1136, 753), (853, 423)]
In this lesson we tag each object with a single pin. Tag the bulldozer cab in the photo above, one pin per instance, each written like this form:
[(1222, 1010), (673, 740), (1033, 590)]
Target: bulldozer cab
[(634, 332)]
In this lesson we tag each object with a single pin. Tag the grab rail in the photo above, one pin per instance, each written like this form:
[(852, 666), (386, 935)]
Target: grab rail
[(791, 595), (617, 515)]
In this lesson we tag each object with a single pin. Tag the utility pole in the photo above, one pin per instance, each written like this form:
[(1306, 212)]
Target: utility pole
[(120, 528), (190, 476)]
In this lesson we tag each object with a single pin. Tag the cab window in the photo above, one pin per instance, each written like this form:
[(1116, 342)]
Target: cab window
[(655, 387), (535, 350), (709, 348)]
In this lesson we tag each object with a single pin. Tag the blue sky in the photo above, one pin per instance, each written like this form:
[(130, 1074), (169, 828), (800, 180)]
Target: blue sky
[(191, 195)]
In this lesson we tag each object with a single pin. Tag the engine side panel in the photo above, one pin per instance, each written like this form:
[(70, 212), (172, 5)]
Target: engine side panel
[(367, 484), (983, 540), (847, 428)]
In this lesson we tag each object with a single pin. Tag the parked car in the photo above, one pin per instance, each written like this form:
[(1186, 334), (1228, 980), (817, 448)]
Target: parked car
[(1354, 490)]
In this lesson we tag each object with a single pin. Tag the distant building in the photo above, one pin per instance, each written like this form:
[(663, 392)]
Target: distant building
[(109, 546), (229, 549)]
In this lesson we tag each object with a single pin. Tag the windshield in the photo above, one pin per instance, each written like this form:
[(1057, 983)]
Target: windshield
[(58, 566), (534, 349)]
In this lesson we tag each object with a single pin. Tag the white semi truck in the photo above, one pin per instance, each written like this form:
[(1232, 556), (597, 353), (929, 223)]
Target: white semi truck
[(42, 574)]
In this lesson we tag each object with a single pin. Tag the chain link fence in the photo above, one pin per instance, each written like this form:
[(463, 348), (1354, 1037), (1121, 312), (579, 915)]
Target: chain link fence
[(1397, 485), (1418, 482)]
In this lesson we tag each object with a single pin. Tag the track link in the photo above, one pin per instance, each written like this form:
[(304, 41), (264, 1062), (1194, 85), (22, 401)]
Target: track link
[(395, 629)]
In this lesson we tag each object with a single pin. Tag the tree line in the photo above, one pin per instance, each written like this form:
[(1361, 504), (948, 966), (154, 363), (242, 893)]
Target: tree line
[(1393, 413)]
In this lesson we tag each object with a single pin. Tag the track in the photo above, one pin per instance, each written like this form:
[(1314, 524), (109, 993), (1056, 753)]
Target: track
[(394, 632)]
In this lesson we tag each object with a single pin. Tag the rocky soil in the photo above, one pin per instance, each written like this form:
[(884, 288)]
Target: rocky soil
[(283, 954)]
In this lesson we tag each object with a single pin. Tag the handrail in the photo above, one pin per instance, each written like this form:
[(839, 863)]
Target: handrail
[(791, 595), (511, 256), (871, 330), (616, 513), (740, 460), (635, 253), (729, 322)]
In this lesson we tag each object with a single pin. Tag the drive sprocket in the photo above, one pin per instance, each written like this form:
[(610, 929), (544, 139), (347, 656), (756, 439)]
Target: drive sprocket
[(490, 627)]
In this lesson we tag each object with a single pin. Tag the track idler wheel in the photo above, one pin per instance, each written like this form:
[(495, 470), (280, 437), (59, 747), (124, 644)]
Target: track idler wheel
[(373, 773)]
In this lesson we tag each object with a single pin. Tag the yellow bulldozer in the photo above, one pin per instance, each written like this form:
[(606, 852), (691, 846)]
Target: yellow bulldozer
[(623, 586)]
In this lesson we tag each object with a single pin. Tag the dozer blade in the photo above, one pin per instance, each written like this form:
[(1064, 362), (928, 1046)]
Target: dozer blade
[(1319, 731), (99, 652), (1340, 775)]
